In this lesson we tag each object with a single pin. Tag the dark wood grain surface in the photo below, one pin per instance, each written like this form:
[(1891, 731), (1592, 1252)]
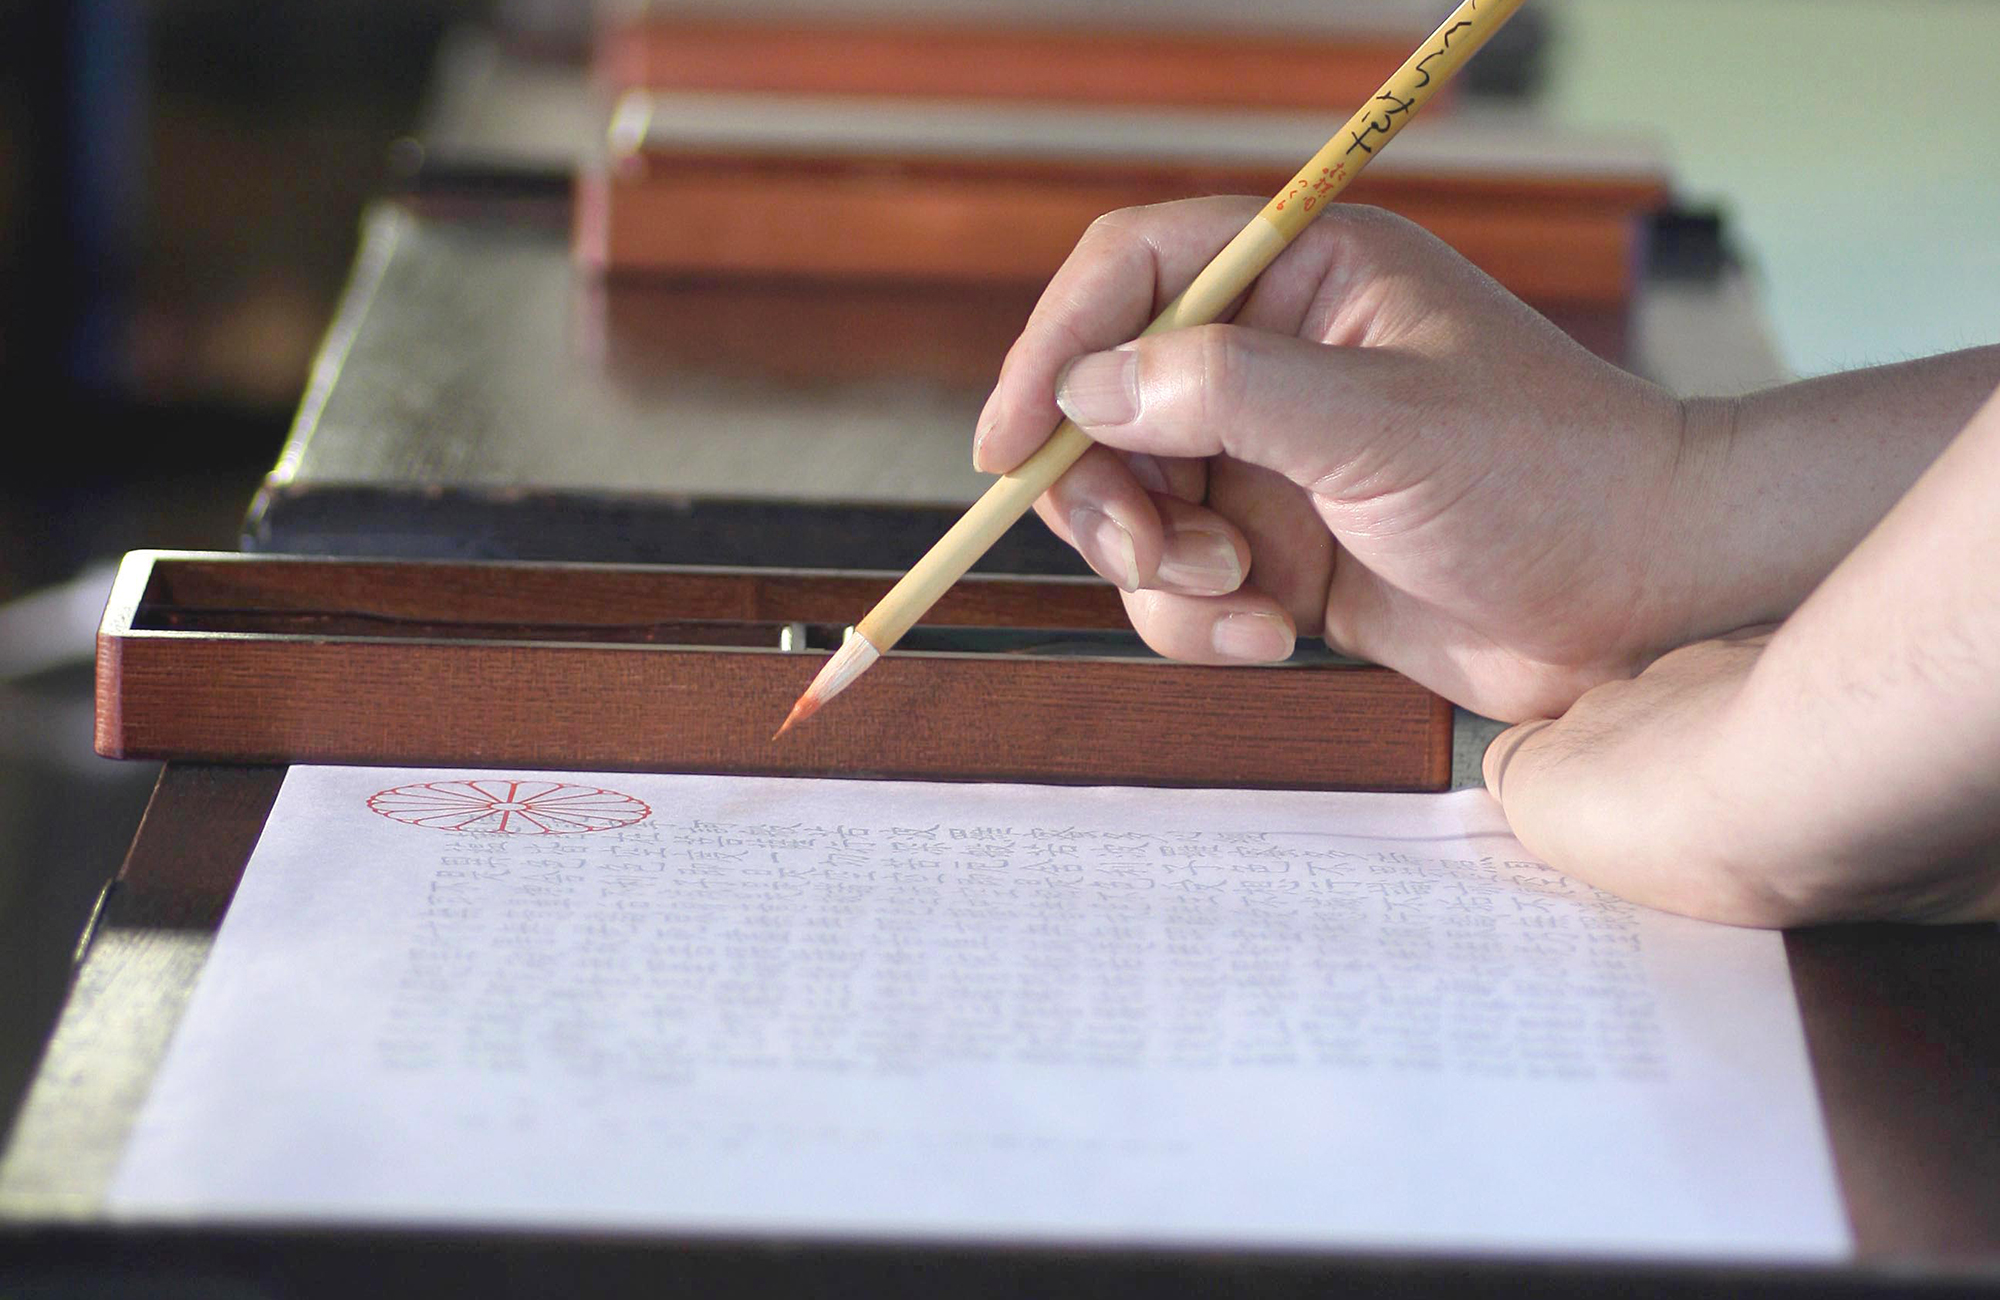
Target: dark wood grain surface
[(424, 520), (146, 947), (478, 399), (252, 1263), (1906, 1049), (468, 356)]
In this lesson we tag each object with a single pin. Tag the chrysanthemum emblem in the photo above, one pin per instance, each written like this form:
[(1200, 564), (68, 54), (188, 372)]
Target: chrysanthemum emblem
[(505, 807)]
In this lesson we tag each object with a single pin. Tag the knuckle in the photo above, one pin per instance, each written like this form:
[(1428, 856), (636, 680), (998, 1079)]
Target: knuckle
[(1143, 610), (1367, 225), (1119, 226), (1368, 240), (1220, 375)]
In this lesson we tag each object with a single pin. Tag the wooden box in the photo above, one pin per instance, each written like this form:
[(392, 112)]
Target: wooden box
[(994, 196), (262, 659), (938, 57)]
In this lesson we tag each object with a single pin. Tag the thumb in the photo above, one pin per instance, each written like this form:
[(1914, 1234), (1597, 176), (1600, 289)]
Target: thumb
[(1302, 409)]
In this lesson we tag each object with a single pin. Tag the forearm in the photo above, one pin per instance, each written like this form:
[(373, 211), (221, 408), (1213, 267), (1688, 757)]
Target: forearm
[(1861, 757), (1774, 489)]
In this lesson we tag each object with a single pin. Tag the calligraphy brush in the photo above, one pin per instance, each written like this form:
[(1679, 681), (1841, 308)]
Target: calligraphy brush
[(1315, 186)]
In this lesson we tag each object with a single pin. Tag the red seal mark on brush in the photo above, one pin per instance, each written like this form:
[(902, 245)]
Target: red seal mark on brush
[(502, 807)]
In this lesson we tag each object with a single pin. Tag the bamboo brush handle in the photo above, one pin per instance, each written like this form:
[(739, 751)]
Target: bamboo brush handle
[(1233, 269)]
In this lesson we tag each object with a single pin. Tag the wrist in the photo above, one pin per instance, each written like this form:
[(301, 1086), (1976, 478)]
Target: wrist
[(1815, 815), (1769, 492), (1688, 552), (1719, 561)]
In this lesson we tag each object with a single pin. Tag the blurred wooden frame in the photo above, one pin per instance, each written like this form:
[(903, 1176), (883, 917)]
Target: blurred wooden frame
[(947, 194), (986, 61)]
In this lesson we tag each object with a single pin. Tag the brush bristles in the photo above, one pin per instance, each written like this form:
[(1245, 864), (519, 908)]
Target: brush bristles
[(855, 656), (807, 705)]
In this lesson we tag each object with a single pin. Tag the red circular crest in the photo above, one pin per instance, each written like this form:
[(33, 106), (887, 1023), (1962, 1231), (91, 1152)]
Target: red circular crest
[(497, 806)]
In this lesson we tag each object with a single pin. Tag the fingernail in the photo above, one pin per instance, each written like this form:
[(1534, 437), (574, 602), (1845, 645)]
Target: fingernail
[(1151, 474), (1105, 543), (1201, 561), (988, 417), (1253, 638), (1101, 388)]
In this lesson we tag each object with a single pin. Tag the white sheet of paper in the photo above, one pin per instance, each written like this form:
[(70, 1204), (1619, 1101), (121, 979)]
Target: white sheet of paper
[(977, 1012)]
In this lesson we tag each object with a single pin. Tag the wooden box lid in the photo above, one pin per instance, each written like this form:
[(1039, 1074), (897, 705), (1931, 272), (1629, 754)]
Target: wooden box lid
[(961, 192)]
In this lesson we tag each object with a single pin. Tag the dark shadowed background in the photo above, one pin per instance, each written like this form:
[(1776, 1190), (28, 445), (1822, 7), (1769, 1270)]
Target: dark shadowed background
[(180, 183)]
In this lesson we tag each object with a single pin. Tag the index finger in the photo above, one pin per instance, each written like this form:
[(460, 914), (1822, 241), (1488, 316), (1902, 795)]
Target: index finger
[(1124, 270)]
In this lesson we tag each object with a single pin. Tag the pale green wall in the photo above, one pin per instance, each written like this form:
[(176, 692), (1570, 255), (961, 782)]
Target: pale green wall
[(1855, 143)]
